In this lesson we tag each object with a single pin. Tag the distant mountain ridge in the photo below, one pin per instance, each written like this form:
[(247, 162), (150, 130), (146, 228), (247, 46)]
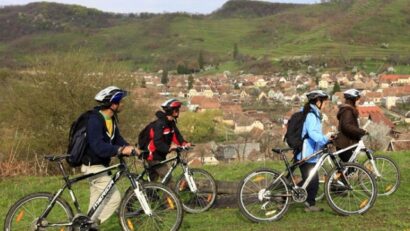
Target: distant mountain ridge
[(339, 31)]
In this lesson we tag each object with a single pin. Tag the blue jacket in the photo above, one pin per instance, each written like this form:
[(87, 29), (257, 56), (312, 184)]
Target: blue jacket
[(101, 147), (312, 127)]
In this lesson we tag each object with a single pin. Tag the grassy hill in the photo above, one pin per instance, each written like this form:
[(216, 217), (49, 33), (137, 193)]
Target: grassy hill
[(338, 32)]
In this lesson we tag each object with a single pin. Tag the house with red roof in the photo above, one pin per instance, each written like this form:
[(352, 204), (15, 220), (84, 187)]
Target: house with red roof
[(205, 103), (374, 113), (386, 81)]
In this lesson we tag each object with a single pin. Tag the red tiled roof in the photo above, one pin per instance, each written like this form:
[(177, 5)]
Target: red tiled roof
[(205, 103), (375, 114), (397, 91), (391, 78)]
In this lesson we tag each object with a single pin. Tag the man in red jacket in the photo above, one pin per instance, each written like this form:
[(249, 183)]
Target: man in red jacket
[(164, 137)]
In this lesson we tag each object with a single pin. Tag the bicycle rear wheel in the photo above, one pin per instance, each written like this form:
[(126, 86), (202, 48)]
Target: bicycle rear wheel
[(389, 180), (204, 198), (167, 211), (260, 204), (24, 214), (350, 191)]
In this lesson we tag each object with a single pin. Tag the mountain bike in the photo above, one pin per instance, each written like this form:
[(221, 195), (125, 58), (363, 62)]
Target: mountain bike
[(265, 194), (195, 187), (384, 169), (149, 206)]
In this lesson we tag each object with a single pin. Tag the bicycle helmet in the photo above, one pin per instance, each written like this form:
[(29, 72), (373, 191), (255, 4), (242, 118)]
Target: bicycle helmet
[(352, 94), (317, 94), (109, 95), (171, 105)]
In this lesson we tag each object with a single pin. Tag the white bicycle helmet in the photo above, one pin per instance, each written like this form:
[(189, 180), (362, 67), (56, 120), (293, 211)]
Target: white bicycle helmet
[(317, 94), (111, 94), (352, 94)]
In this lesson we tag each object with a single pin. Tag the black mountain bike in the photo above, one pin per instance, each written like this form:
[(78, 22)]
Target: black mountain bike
[(265, 194), (149, 206), (195, 187)]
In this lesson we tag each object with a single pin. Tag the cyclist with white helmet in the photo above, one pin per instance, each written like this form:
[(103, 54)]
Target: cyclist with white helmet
[(164, 137), (313, 140), (349, 131), (103, 142)]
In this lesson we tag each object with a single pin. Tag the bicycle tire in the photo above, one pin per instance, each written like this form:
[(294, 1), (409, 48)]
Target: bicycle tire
[(355, 200), (23, 215), (389, 181), (251, 192), (164, 203), (205, 196)]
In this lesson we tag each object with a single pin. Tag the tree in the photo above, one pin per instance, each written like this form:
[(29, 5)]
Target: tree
[(235, 51), (201, 61), (336, 87), (190, 82), (164, 78)]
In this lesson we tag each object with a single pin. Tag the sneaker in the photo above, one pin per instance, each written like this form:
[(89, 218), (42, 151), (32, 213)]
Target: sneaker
[(312, 208)]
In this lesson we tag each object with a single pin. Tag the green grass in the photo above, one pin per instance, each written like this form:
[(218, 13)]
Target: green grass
[(389, 213)]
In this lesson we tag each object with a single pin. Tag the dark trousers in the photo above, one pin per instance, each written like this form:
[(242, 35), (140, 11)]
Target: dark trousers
[(313, 187)]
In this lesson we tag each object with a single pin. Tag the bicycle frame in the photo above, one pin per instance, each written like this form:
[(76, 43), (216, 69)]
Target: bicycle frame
[(177, 160), (358, 147), (122, 169), (323, 153)]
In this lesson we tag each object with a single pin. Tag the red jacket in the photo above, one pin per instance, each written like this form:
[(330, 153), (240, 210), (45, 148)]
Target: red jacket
[(162, 134)]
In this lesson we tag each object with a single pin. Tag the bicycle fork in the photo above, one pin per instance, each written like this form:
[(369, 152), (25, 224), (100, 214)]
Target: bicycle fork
[(374, 169), (190, 179), (142, 198)]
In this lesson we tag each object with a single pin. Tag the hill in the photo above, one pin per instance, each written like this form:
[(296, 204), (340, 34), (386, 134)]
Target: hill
[(337, 33), (247, 8)]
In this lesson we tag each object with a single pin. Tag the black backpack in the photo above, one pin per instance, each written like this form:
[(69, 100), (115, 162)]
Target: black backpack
[(77, 140), (143, 136), (293, 136)]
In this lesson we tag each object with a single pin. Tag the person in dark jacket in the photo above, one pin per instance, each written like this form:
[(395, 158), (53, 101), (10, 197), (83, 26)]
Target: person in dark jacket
[(164, 137), (349, 131), (104, 141)]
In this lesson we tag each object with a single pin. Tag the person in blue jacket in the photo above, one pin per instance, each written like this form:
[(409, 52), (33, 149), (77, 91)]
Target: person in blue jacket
[(313, 140), (103, 142)]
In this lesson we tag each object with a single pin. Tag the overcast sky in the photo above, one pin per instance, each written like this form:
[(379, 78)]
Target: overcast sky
[(155, 6)]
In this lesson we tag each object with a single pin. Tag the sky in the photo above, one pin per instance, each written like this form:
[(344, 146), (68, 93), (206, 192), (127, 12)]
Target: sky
[(154, 6)]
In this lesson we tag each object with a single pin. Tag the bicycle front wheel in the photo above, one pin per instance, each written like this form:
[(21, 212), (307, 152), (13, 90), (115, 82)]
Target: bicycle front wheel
[(203, 198), (167, 211), (263, 196), (389, 179), (351, 190), (25, 213)]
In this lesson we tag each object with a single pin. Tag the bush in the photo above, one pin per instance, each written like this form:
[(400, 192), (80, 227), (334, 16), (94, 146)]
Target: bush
[(43, 103), (378, 138)]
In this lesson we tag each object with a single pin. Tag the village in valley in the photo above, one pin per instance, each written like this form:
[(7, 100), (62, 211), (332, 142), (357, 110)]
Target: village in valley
[(256, 108)]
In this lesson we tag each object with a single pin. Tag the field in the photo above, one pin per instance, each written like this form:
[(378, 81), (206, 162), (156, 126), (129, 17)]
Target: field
[(389, 213)]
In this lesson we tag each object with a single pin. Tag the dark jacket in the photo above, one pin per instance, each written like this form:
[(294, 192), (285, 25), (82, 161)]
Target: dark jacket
[(101, 147), (162, 134), (349, 131)]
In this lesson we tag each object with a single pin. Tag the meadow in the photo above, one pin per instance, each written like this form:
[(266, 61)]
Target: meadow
[(389, 212)]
